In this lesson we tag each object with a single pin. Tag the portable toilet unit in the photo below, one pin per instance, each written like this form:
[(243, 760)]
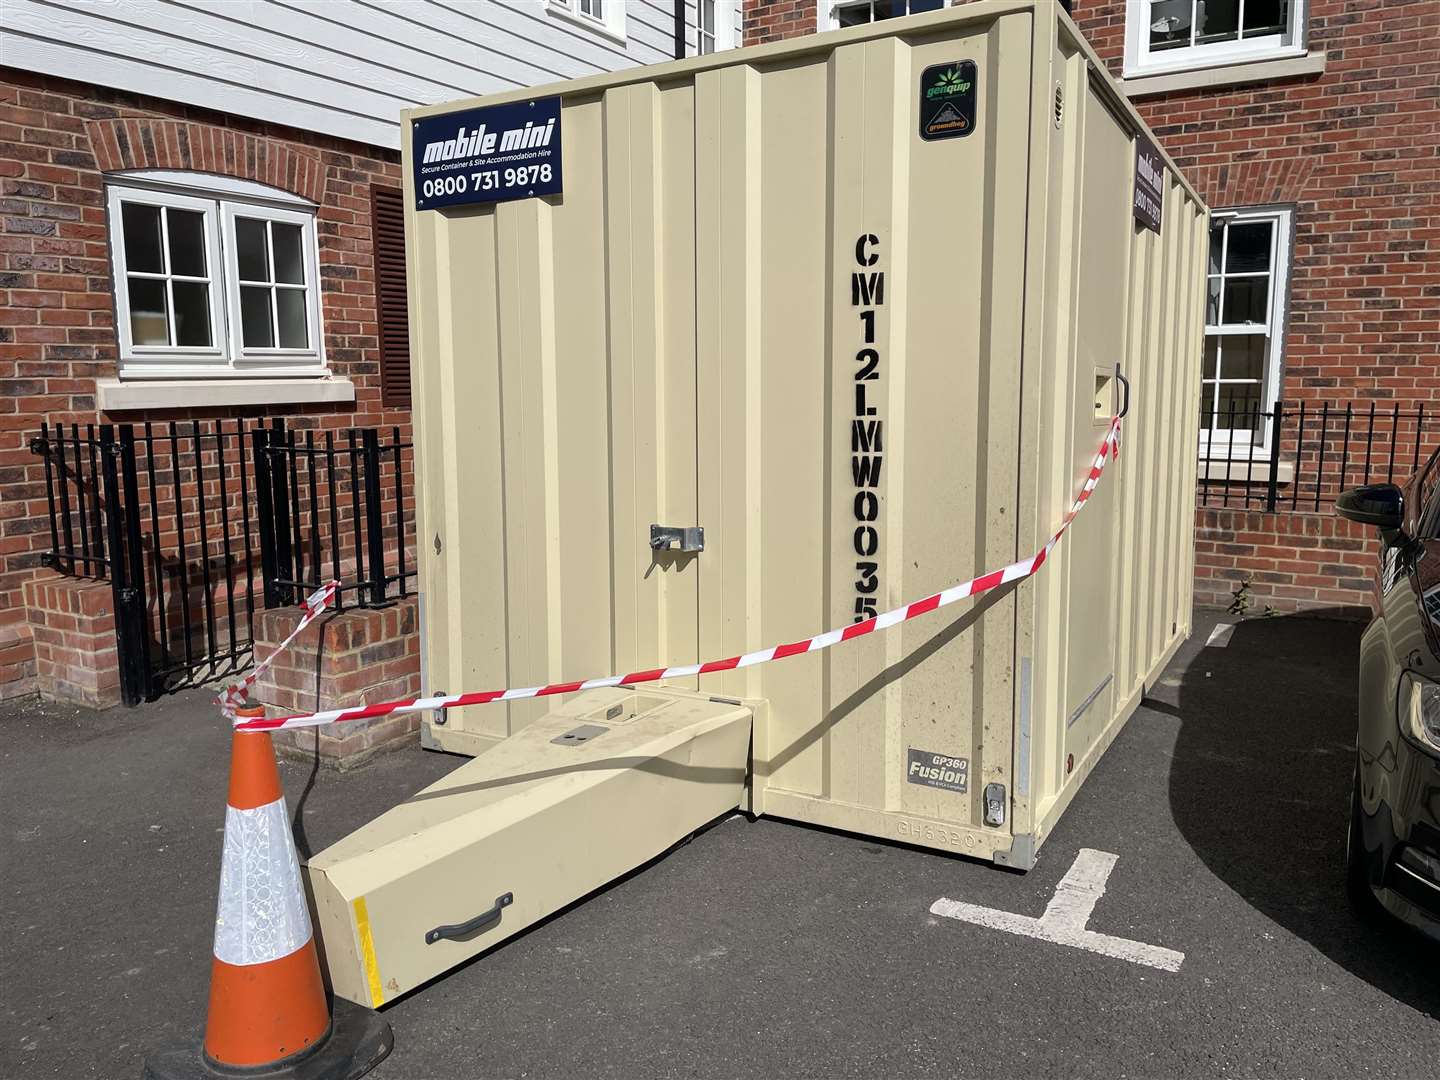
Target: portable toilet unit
[(727, 352)]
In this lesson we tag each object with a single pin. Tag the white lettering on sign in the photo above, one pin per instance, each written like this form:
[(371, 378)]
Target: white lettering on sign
[(479, 143), (867, 430)]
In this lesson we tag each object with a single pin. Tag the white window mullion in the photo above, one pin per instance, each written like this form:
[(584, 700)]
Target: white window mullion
[(165, 263)]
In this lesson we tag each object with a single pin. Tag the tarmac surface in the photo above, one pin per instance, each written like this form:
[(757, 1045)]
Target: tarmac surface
[(768, 949)]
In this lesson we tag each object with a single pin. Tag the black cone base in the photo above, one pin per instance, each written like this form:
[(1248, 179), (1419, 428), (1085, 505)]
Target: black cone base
[(359, 1040)]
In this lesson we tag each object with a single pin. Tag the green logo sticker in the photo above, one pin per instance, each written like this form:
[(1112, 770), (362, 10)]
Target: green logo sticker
[(947, 100)]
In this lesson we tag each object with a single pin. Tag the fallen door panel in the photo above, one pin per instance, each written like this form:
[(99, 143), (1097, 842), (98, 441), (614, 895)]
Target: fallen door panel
[(544, 821)]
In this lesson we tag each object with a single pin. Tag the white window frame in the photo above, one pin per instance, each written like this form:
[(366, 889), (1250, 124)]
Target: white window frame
[(1139, 60), (220, 199), (610, 23), (827, 12), (724, 36), (1251, 445), (167, 358), (274, 357)]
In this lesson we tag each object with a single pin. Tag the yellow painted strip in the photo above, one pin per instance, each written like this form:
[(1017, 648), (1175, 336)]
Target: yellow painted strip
[(367, 953)]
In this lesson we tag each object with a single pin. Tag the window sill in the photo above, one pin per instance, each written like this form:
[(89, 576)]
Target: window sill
[(1234, 74), (112, 395), (1244, 470), (595, 26)]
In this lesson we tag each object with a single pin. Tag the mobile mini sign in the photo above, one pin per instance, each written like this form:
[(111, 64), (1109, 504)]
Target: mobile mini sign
[(1149, 183), (492, 154)]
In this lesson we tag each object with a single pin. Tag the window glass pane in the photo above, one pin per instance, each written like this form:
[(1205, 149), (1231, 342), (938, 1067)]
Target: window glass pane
[(1249, 247), (924, 5), (707, 16), (1212, 357), (289, 265), (1169, 24), (148, 325), (593, 8), (1217, 20), (250, 249), (290, 307), (1246, 300), (853, 15), (1264, 17), (1217, 246), (255, 326), (187, 241), (1212, 302), (141, 226), (1242, 356), (1239, 404), (192, 312)]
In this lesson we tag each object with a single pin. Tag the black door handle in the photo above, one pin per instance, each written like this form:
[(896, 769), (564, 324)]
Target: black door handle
[(464, 929), (1125, 399)]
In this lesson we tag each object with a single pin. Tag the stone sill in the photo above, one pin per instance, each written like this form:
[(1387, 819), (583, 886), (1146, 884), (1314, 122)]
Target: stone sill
[(112, 395), (1258, 474), (1138, 86)]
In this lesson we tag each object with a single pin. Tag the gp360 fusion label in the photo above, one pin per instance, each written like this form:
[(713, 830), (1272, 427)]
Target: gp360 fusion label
[(938, 771)]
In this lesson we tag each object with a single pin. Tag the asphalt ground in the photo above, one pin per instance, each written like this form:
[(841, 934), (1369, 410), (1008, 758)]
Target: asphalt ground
[(769, 949)]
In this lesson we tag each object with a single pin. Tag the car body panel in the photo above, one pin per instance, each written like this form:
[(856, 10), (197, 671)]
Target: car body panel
[(1398, 780)]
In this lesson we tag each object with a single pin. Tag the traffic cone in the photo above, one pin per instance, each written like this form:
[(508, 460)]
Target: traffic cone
[(268, 1013)]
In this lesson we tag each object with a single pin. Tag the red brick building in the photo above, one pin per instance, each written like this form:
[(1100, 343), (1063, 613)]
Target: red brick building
[(201, 233), (1312, 128), (179, 244)]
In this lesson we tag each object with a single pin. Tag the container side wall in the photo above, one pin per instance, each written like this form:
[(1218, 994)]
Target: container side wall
[(1111, 609)]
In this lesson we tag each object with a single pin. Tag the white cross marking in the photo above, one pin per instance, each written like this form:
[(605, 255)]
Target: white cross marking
[(1066, 915)]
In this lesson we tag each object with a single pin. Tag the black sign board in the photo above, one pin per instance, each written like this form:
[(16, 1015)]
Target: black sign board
[(487, 155), (937, 770), (947, 101), (1149, 183)]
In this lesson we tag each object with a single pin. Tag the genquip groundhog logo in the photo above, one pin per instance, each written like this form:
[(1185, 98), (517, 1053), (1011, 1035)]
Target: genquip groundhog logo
[(947, 100)]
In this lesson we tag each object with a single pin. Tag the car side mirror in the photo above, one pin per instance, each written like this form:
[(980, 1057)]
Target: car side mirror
[(1381, 505)]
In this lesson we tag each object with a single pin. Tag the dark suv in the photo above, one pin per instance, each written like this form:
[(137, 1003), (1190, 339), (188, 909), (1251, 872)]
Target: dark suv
[(1393, 853)]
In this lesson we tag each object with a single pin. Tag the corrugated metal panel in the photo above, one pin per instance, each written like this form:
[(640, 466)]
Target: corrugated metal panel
[(691, 334)]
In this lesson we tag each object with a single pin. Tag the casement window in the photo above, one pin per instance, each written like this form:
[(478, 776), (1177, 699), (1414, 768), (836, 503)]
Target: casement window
[(214, 277), (833, 14), (714, 26), (601, 16), (1181, 35), (1247, 274)]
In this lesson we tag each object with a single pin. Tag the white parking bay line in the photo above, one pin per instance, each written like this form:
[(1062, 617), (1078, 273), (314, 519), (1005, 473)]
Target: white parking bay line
[(1066, 915), (1220, 635)]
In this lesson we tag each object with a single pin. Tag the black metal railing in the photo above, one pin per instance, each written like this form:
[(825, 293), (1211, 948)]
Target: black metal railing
[(1299, 456), (195, 534), (331, 512)]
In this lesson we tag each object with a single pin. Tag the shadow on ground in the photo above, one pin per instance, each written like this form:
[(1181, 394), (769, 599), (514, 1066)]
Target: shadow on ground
[(1260, 783)]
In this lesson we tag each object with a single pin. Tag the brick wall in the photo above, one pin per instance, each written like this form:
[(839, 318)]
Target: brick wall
[(72, 622), (339, 661), (57, 323), (1284, 562)]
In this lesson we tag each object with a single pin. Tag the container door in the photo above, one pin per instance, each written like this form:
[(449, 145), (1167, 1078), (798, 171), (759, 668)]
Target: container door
[(559, 418), (1105, 219)]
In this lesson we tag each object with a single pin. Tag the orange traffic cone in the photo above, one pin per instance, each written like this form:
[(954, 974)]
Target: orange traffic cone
[(268, 1012)]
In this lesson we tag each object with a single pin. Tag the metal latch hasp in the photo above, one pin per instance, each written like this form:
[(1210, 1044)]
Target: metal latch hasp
[(664, 537)]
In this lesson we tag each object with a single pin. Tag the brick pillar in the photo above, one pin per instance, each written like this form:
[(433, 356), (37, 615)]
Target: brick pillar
[(356, 657), (73, 626)]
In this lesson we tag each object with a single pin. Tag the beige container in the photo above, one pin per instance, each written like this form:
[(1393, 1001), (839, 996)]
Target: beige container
[(679, 338)]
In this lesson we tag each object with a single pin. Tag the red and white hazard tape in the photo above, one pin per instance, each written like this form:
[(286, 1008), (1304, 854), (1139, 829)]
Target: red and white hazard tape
[(1109, 448), (234, 696)]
